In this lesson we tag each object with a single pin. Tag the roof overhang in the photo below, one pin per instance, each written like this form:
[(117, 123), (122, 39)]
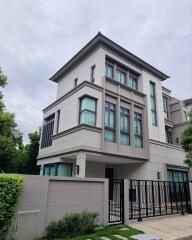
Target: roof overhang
[(101, 41)]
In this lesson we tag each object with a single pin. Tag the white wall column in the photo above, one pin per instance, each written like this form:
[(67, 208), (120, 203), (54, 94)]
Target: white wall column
[(81, 162), (126, 201)]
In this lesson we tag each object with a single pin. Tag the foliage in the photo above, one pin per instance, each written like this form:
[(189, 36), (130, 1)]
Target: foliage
[(72, 225), (10, 190), (3, 82), (186, 141), (24, 159)]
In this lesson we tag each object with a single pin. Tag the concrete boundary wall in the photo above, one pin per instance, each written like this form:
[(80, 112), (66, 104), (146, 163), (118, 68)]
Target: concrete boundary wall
[(53, 197)]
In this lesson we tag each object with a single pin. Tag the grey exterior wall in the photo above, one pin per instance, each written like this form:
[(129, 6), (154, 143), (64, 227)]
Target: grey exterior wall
[(56, 196)]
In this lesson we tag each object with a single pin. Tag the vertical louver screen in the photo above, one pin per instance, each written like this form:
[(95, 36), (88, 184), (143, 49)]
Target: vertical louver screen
[(47, 134)]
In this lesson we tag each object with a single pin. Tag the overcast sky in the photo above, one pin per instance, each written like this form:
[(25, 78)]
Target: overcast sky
[(38, 37)]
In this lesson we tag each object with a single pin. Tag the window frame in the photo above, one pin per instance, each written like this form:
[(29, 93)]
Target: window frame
[(122, 131), (169, 137), (140, 136), (80, 111), (56, 167), (166, 104), (108, 127), (93, 73), (46, 140), (153, 98), (122, 72), (112, 67), (172, 171), (135, 77), (75, 82)]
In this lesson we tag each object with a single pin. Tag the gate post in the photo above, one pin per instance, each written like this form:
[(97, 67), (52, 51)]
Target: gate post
[(126, 201), (106, 202), (190, 197)]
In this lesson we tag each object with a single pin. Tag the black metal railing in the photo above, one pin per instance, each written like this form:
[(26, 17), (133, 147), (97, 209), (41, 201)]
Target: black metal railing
[(157, 198), (116, 201)]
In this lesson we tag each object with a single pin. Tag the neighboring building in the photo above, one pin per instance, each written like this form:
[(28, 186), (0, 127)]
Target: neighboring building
[(112, 118)]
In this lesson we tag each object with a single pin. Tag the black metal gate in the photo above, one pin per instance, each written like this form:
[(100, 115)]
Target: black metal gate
[(157, 198), (116, 201)]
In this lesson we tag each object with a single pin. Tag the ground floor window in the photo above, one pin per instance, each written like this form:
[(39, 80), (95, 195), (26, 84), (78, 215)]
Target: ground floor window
[(58, 169), (177, 175)]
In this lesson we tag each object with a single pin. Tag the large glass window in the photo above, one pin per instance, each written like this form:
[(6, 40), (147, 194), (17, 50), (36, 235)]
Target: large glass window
[(138, 130), (166, 106), (121, 76), (109, 70), (177, 175), (47, 132), (153, 104), (168, 133), (58, 169), (125, 126), (133, 81), (87, 111), (110, 122)]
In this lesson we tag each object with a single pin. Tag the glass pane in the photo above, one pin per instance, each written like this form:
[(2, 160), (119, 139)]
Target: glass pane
[(154, 118), (175, 176), (180, 176), (46, 171), (125, 139), (134, 84), (109, 135), (52, 170), (153, 103), (185, 176), (126, 123), (112, 119), (152, 89), (109, 71), (118, 76), (138, 142), (88, 118), (88, 104), (169, 176), (121, 120), (64, 169)]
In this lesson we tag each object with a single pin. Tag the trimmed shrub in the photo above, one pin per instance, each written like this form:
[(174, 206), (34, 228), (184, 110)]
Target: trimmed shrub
[(10, 190), (73, 224)]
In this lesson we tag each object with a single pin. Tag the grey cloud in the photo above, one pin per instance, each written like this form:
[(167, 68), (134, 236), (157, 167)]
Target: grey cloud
[(38, 37)]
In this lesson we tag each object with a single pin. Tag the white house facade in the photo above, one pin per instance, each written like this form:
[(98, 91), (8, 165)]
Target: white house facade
[(112, 118)]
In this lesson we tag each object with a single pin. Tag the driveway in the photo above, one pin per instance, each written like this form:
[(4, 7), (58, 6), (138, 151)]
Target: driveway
[(168, 228)]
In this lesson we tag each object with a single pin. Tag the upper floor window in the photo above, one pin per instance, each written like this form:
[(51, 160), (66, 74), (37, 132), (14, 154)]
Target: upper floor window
[(58, 169), (133, 81), (121, 76), (93, 73), (125, 126), (58, 120), (138, 131), (153, 104), (168, 133), (75, 82), (110, 122), (166, 107), (109, 70), (87, 113), (177, 175), (184, 115), (47, 132)]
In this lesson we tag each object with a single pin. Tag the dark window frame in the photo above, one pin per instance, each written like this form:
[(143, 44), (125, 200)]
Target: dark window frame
[(134, 77), (169, 135), (56, 167), (108, 109), (106, 67), (75, 82), (181, 171), (166, 106), (58, 120), (80, 111), (47, 131), (122, 72), (140, 136), (153, 97), (122, 131)]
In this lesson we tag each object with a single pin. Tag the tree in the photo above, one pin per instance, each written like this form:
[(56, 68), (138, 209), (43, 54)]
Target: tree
[(10, 136), (186, 141)]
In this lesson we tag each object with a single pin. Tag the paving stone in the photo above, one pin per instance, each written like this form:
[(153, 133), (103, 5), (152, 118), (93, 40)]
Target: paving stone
[(105, 238), (145, 236), (120, 237), (124, 229)]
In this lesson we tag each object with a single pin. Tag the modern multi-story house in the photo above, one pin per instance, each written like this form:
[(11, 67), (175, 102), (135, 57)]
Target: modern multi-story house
[(112, 118)]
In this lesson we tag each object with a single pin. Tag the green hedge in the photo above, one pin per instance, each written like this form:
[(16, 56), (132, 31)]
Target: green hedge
[(72, 224), (10, 189)]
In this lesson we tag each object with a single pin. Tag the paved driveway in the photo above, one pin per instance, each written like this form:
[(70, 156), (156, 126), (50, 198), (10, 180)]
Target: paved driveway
[(168, 228)]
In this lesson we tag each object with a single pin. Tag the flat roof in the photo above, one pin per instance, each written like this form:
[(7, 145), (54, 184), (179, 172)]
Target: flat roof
[(101, 40)]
